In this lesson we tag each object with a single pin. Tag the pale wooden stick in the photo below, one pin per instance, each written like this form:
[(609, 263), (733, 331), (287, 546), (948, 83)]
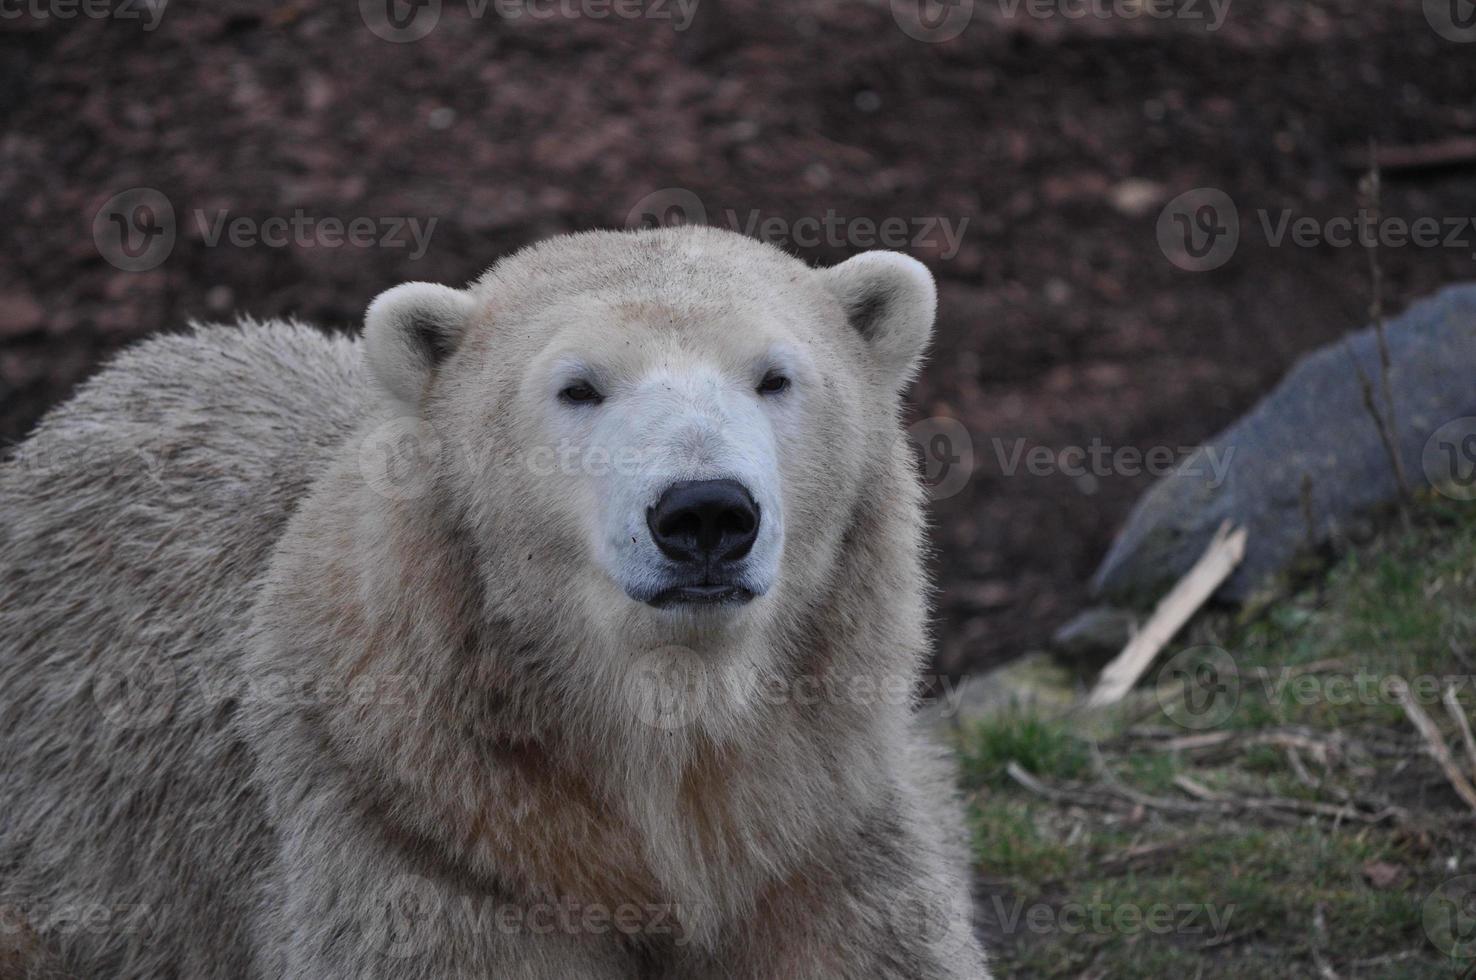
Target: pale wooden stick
[(1319, 943), (1435, 742), (1454, 709), (1225, 551)]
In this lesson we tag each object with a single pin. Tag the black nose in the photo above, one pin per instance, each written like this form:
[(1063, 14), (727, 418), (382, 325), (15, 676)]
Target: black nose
[(704, 520)]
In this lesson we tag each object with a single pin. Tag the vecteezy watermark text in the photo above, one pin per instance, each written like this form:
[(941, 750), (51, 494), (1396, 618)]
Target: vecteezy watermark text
[(673, 687), (405, 21), (1200, 687), (1099, 459), (1366, 230), (837, 231), (1201, 230), (51, 918), (148, 12), (675, 206), (1188, 919), (303, 230), (936, 21), (136, 230), (411, 915)]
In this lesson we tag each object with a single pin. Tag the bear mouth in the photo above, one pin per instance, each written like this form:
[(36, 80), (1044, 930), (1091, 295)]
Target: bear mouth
[(707, 594)]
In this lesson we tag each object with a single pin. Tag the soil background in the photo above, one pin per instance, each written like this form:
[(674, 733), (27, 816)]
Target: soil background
[(1053, 142)]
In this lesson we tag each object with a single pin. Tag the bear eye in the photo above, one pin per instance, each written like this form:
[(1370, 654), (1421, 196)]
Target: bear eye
[(581, 393), (773, 383)]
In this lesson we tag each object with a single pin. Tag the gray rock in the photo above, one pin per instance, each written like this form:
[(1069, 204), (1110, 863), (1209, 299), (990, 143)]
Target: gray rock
[(1306, 466)]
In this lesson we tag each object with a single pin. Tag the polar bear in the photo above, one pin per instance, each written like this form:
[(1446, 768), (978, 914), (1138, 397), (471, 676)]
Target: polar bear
[(564, 626)]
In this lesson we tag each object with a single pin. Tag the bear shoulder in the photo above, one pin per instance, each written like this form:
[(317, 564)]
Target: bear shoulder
[(217, 409)]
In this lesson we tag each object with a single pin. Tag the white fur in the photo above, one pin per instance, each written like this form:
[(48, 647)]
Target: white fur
[(398, 359), (896, 295), (686, 422), (222, 517)]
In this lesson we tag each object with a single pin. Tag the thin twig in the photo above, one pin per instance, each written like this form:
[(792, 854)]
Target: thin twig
[(1206, 802), (1302, 670), (1456, 151), (1309, 518), (1299, 768), (1220, 558), (1386, 420), (1435, 742), (1299, 736), (1386, 959), (1338, 812), (1458, 714), (1320, 943)]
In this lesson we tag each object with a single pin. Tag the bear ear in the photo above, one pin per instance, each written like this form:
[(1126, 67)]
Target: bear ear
[(890, 299), (409, 330)]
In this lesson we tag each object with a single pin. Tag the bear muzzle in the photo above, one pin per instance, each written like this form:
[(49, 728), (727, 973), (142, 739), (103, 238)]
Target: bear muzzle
[(706, 527)]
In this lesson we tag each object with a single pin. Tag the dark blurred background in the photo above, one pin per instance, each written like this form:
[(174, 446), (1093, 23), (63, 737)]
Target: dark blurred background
[(1051, 144)]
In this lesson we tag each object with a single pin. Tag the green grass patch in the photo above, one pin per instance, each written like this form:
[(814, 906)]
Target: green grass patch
[(1092, 885), (1041, 747)]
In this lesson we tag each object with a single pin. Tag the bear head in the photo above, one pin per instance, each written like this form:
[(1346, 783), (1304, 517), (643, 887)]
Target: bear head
[(657, 438)]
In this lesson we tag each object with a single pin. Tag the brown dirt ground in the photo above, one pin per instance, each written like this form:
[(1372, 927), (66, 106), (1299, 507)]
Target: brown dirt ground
[(1062, 320)]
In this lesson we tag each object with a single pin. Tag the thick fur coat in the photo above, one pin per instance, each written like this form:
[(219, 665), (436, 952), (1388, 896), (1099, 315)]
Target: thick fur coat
[(320, 658)]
